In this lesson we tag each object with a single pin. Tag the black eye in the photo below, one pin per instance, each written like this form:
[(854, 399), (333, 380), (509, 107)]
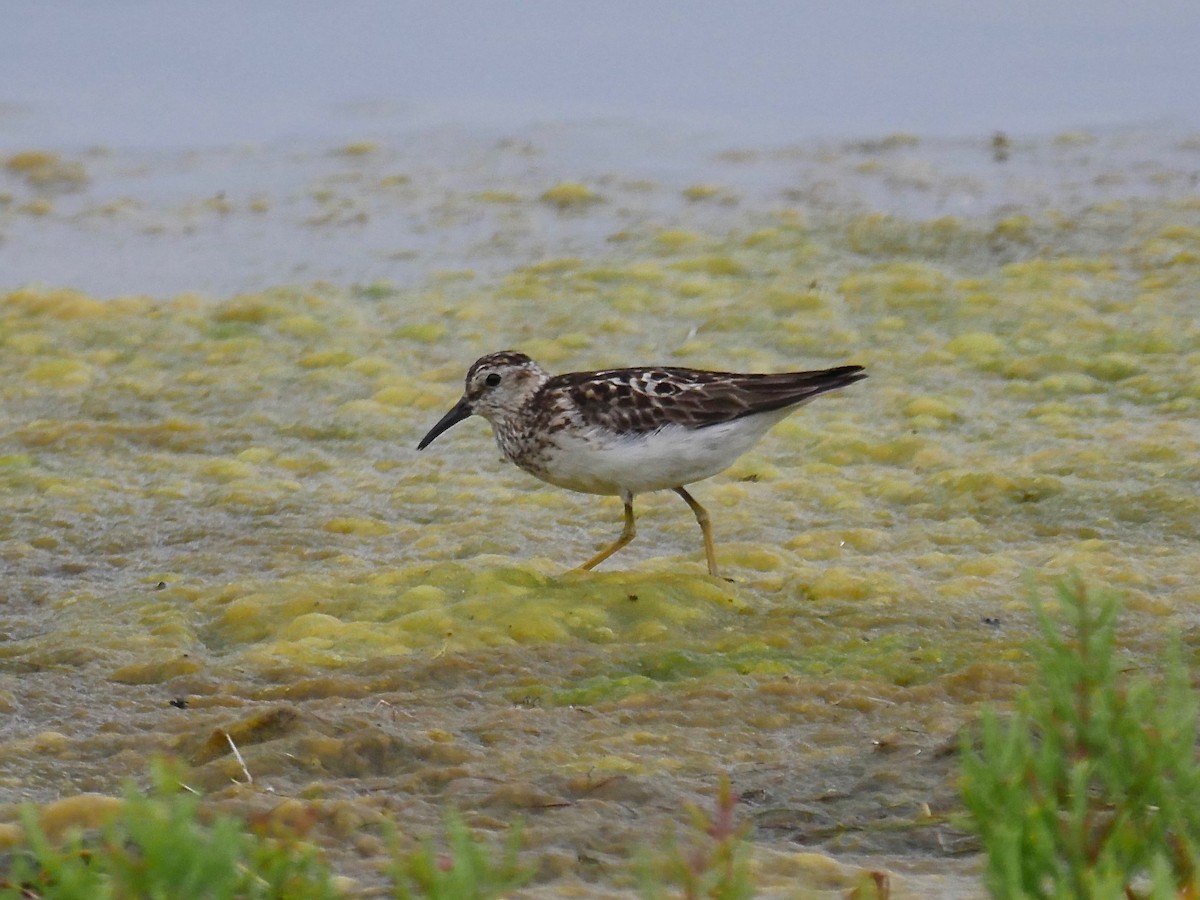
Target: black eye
[(492, 380)]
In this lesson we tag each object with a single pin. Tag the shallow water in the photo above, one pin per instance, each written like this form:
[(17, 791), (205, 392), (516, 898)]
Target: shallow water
[(211, 492), (131, 75)]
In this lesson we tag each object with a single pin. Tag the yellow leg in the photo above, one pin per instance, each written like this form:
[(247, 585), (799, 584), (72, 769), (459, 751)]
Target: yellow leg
[(710, 549), (627, 535)]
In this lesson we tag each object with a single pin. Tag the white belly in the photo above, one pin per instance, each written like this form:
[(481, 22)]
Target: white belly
[(673, 456)]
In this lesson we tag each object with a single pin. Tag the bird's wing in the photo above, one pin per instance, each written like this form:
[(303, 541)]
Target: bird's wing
[(642, 400)]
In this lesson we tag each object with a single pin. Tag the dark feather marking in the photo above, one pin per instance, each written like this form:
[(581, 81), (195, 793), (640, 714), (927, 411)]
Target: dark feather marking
[(697, 398)]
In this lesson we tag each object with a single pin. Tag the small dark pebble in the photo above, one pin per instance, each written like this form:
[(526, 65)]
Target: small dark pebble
[(1000, 147)]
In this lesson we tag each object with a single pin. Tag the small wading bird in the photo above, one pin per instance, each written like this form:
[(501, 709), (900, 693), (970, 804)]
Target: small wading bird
[(624, 432)]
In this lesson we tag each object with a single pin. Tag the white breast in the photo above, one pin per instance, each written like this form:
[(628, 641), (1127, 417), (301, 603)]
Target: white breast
[(600, 462)]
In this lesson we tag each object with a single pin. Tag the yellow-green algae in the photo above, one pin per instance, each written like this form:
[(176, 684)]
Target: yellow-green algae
[(44, 170), (219, 502), (570, 195)]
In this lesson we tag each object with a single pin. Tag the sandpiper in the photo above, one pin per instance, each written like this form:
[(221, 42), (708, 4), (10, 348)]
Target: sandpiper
[(624, 432)]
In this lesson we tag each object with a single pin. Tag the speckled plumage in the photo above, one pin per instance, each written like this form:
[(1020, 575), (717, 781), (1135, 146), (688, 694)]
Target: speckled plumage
[(628, 431)]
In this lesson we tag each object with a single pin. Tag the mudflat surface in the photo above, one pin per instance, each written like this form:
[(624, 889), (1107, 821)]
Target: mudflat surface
[(215, 366)]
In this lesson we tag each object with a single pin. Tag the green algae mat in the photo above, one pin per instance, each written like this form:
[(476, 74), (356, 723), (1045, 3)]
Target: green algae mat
[(214, 520)]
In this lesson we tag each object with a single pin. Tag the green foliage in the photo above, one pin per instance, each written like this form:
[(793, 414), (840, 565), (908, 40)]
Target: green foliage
[(1091, 789), (464, 872), (159, 848), (714, 863)]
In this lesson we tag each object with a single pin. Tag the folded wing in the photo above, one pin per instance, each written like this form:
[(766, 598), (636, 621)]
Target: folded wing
[(637, 401)]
